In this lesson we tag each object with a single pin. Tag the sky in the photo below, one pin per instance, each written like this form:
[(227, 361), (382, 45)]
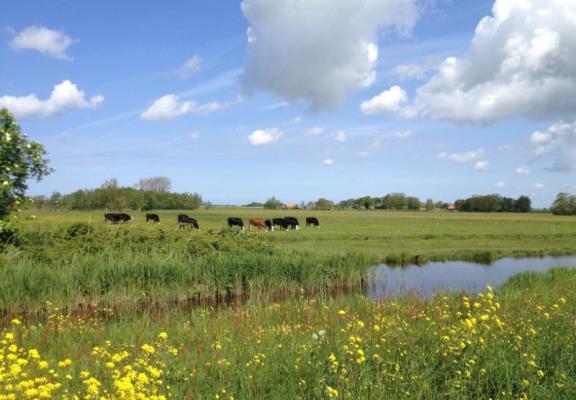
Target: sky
[(243, 100)]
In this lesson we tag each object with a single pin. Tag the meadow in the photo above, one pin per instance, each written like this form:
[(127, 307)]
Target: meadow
[(132, 311)]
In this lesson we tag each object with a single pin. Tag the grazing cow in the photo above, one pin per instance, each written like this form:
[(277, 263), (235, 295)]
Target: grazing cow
[(281, 222), (258, 223), (153, 218), (233, 221), (116, 218), (293, 222), (269, 224), (312, 221), (185, 221)]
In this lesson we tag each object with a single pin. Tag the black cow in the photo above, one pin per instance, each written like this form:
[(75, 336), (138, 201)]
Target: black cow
[(293, 222), (153, 218), (269, 224), (281, 222), (185, 221), (233, 221), (116, 218), (312, 221)]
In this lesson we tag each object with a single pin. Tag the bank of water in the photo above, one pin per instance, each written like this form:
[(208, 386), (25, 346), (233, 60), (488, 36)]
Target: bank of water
[(426, 279)]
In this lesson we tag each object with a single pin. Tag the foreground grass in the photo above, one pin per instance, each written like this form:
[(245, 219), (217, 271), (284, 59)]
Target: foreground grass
[(517, 343)]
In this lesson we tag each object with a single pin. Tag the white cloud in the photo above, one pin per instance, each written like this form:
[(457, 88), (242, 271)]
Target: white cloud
[(481, 166), (371, 148), (322, 50), (414, 71), (296, 120), (523, 170), (316, 131), (520, 63), (328, 161), (559, 142), (500, 185), (461, 158), (390, 100), (65, 96), (403, 134), (193, 136), (340, 136), (190, 66), (170, 107), (44, 40), (539, 186), (265, 136)]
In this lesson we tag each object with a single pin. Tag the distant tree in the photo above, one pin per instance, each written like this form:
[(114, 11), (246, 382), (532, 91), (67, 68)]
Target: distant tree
[(523, 204), (413, 203), (429, 205), (55, 201), (158, 184), (254, 204), (565, 204), (324, 204), (273, 203), (20, 160)]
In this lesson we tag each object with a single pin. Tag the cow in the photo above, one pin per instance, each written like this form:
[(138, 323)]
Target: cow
[(312, 221), (153, 218), (185, 221), (234, 221), (116, 218), (269, 224), (293, 222), (258, 223), (281, 222)]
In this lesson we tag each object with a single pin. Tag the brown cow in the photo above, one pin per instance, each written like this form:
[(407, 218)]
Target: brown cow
[(258, 223)]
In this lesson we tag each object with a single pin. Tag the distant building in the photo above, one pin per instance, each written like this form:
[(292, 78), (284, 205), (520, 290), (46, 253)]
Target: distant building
[(289, 206), (451, 208)]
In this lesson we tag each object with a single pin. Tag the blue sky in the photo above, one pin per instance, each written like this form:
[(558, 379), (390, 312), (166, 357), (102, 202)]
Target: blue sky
[(299, 107)]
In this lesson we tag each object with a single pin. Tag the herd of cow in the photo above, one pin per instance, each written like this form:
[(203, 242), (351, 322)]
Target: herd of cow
[(184, 221)]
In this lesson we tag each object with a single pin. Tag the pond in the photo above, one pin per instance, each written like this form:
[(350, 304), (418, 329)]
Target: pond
[(426, 279)]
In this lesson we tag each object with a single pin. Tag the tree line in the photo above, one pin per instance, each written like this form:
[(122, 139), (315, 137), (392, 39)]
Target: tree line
[(149, 194), (494, 203), (565, 204)]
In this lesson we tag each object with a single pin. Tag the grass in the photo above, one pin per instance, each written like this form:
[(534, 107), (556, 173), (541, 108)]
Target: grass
[(515, 343)]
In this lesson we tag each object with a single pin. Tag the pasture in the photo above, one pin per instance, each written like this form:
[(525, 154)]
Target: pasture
[(388, 236), (111, 311)]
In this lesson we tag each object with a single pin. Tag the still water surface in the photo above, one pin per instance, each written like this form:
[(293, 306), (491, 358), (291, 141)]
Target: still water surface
[(426, 279)]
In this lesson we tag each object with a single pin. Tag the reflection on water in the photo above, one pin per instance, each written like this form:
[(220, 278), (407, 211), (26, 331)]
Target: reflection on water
[(425, 280)]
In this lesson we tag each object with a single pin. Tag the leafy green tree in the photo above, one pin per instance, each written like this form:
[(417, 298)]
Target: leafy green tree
[(429, 205), (20, 160), (324, 204), (523, 204), (272, 203)]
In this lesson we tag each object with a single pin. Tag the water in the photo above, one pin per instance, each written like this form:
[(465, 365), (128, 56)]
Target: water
[(425, 280)]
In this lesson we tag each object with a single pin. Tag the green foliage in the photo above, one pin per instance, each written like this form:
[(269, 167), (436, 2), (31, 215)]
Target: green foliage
[(494, 203), (324, 204), (272, 203), (20, 160), (565, 204)]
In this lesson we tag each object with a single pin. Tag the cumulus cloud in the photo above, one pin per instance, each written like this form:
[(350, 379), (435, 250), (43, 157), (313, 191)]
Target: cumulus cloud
[(44, 40), (371, 148), (65, 96), (403, 134), (265, 136), (500, 185), (461, 158), (316, 131), (523, 170), (558, 142), (322, 50), (340, 136), (520, 63), (190, 66), (170, 107), (539, 186), (414, 71), (328, 161), (193, 136), (390, 100), (481, 166)]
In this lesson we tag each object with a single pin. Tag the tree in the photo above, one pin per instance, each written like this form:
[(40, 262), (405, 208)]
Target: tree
[(272, 203), (429, 205), (324, 204), (160, 184), (20, 160), (565, 204), (523, 204)]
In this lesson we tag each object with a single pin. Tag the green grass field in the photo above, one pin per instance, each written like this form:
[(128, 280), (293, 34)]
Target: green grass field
[(95, 311), (382, 234)]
